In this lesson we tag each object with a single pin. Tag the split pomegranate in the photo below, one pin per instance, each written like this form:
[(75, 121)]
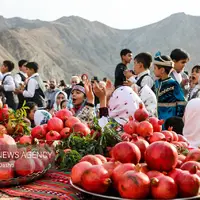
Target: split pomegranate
[(145, 129), (64, 114), (38, 132), (156, 123), (141, 113), (126, 152), (91, 159), (161, 156), (102, 158), (154, 174), (130, 126), (25, 139), (134, 185), (51, 136), (55, 124), (141, 144), (77, 171), (126, 137), (39, 165), (110, 166), (157, 136), (65, 132), (163, 187), (6, 171), (190, 166), (96, 179), (168, 135), (24, 166), (81, 128), (71, 121), (193, 155), (119, 171)]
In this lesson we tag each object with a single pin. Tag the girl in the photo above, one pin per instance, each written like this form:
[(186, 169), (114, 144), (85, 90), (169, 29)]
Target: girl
[(59, 97), (63, 104)]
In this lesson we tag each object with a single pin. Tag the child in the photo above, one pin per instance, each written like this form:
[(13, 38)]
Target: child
[(195, 92), (126, 57), (8, 84), (63, 104), (171, 101), (34, 90), (180, 58), (60, 96)]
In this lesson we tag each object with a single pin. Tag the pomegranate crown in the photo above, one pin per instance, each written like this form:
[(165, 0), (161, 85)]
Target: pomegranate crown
[(141, 106)]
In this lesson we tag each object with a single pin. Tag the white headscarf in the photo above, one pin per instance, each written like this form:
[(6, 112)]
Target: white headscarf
[(123, 104), (191, 118), (55, 106), (41, 117)]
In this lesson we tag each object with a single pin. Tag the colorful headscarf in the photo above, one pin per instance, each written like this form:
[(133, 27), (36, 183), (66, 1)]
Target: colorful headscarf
[(159, 61)]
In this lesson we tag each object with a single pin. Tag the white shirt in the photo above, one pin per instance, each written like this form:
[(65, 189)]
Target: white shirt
[(8, 84), (177, 76), (31, 87), (18, 79)]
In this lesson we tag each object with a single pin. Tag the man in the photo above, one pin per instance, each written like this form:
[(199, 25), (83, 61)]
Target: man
[(20, 79), (51, 93), (126, 57), (74, 80)]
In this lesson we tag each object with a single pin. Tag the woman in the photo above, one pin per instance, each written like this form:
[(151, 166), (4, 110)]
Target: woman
[(59, 97), (30, 111), (191, 119)]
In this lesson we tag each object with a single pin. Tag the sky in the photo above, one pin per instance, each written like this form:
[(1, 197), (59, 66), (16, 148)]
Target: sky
[(122, 14)]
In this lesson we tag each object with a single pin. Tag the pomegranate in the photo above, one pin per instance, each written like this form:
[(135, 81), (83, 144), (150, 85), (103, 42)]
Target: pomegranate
[(188, 184), (38, 132), (161, 156), (39, 165), (110, 166), (8, 147), (24, 166), (102, 158), (119, 171), (19, 128), (175, 136), (181, 138), (77, 171), (145, 129), (190, 165), (96, 179), (193, 155), (25, 139), (181, 157), (64, 114), (71, 121), (141, 167), (153, 174), (51, 136), (81, 128), (45, 127), (156, 123), (141, 144), (65, 132), (157, 136), (91, 159), (163, 187), (3, 130), (126, 152), (126, 137), (45, 159), (6, 171), (168, 135), (184, 144), (174, 173), (141, 114), (10, 127), (130, 126), (4, 113), (134, 185), (55, 124)]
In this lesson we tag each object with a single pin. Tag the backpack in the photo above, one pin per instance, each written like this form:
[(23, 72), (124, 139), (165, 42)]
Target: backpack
[(139, 81)]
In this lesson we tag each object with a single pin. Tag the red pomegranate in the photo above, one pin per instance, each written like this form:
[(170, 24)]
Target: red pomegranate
[(168, 135), (175, 136), (181, 157), (65, 132), (39, 165), (161, 156), (38, 132), (119, 171), (6, 171), (71, 121), (4, 113), (163, 187), (3, 130), (175, 172), (45, 127), (145, 129), (24, 166), (110, 166), (156, 123), (96, 179), (81, 128), (134, 185), (157, 136), (8, 147), (55, 124), (130, 126), (126, 137), (142, 167), (154, 174), (26, 139), (45, 159), (193, 155), (64, 114), (126, 152), (91, 159), (141, 144), (78, 170), (51, 136), (10, 127), (102, 158), (181, 138), (141, 114), (190, 166)]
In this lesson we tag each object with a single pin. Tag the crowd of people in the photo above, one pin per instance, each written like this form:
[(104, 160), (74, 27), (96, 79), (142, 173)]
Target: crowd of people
[(159, 83)]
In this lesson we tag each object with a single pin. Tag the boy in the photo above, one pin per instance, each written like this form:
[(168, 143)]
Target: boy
[(171, 101), (126, 57), (8, 84), (180, 58)]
